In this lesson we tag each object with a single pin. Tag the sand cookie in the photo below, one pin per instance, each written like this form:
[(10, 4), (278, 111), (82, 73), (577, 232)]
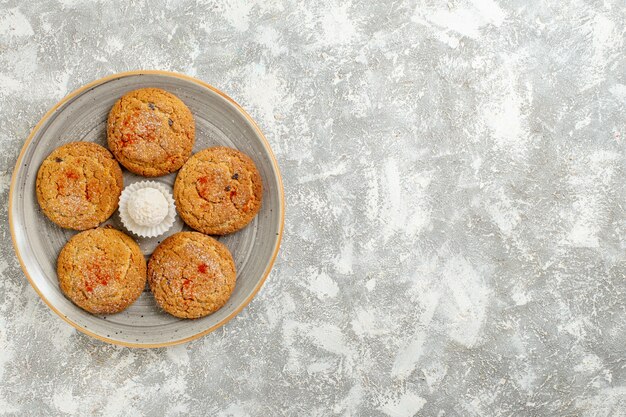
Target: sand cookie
[(79, 185), (218, 191), (151, 132), (102, 270), (191, 275)]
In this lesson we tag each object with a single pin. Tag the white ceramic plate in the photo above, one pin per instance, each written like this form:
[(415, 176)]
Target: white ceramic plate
[(82, 116)]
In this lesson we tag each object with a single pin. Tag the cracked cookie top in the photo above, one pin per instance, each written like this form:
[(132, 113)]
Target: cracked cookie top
[(102, 270), (218, 191), (79, 185), (151, 132), (191, 275)]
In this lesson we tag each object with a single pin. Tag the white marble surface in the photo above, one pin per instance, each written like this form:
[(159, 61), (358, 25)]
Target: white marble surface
[(455, 229)]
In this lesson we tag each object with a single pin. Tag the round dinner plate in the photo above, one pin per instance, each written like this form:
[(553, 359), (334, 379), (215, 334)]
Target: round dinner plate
[(82, 116)]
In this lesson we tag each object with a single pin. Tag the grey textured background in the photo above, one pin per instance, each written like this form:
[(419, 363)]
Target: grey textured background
[(455, 231)]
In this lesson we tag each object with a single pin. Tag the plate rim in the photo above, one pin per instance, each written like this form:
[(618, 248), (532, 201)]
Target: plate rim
[(258, 131)]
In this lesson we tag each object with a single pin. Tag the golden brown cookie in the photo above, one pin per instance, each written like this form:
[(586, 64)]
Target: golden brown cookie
[(102, 270), (151, 132), (79, 185), (218, 191), (191, 275)]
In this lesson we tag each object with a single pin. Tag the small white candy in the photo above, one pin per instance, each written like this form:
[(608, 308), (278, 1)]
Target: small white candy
[(147, 206)]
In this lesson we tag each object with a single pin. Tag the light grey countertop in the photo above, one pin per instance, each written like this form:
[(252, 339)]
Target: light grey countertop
[(455, 189)]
